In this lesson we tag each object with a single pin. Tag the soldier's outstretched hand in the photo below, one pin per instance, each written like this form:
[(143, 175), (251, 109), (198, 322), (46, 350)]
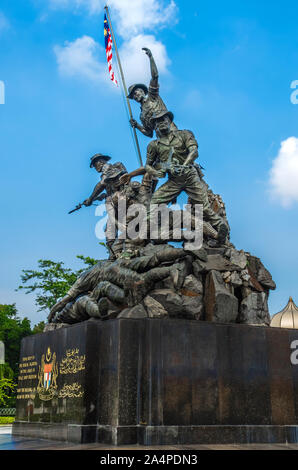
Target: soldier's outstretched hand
[(87, 202), (147, 51)]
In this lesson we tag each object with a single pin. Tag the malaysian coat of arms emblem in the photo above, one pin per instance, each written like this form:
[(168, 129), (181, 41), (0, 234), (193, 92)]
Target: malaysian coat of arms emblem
[(47, 376)]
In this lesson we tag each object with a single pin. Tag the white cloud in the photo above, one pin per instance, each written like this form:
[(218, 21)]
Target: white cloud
[(131, 16), (284, 173), (85, 58), (80, 58), (135, 16), (135, 61)]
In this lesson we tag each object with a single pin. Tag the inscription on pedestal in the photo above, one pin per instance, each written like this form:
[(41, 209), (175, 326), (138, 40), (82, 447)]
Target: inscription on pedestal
[(45, 376), (28, 373), (51, 382), (71, 364), (159, 382)]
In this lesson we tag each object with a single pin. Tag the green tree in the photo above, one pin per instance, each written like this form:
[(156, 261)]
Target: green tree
[(6, 371), (12, 330), (7, 387), (38, 328), (52, 280)]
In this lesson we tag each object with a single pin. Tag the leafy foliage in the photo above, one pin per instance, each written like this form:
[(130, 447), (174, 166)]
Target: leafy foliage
[(38, 328), (12, 330), (6, 386), (6, 419), (52, 280), (6, 371)]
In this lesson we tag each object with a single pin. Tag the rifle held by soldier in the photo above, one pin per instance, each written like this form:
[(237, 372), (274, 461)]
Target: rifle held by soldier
[(78, 207)]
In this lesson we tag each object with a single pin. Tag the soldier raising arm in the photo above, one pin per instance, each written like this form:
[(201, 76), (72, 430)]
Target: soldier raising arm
[(149, 99)]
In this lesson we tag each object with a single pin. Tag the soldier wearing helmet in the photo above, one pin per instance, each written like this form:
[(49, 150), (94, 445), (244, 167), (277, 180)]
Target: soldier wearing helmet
[(149, 99), (110, 175)]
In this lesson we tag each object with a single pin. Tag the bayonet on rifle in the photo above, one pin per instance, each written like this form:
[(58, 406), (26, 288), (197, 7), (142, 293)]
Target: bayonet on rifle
[(78, 207)]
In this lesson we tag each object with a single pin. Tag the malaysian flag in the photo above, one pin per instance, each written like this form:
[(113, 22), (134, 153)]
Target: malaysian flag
[(108, 45)]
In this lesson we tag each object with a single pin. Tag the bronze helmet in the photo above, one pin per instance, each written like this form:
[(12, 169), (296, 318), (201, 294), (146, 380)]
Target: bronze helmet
[(98, 156), (132, 89)]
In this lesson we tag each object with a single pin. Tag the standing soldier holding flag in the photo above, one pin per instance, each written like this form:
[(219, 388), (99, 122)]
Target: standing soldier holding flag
[(149, 99)]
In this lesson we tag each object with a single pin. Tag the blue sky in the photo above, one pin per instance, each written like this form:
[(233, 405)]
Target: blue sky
[(226, 70)]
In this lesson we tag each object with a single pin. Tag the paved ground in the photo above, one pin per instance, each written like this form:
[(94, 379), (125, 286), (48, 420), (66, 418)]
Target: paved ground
[(5, 429), (9, 442)]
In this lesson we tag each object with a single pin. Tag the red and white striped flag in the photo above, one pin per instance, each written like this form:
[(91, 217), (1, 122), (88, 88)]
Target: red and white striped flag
[(108, 45)]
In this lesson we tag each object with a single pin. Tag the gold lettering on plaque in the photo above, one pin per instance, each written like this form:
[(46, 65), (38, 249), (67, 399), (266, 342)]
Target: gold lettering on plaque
[(27, 371), (45, 375), (72, 362), (71, 391)]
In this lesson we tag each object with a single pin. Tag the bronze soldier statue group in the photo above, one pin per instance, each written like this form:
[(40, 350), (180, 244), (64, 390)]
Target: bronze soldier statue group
[(172, 153), (136, 266)]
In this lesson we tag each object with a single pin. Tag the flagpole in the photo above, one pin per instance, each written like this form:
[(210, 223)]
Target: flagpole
[(124, 84)]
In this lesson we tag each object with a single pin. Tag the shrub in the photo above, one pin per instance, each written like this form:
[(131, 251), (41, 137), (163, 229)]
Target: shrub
[(6, 419)]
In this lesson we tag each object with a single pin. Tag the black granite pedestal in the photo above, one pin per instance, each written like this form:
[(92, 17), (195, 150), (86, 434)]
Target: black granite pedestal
[(158, 382)]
